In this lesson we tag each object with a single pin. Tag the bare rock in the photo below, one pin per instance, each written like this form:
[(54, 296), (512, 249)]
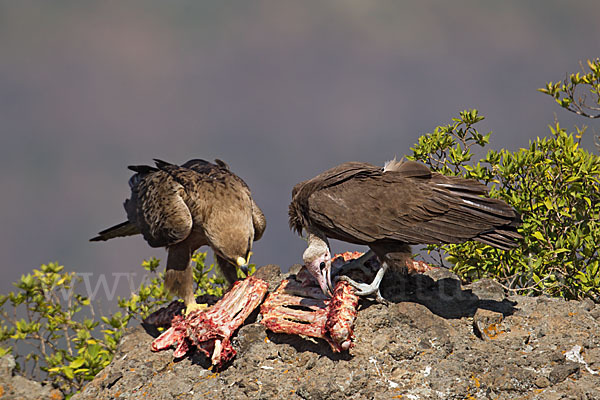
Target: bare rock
[(271, 274), (587, 305), (596, 312), (13, 386), (422, 346), (487, 289), (438, 274), (7, 366), (542, 382), (562, 371), (486, 324)]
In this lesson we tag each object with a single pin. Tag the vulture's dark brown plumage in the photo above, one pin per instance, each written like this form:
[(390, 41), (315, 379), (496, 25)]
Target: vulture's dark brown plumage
[(400, 204), (185, 207)]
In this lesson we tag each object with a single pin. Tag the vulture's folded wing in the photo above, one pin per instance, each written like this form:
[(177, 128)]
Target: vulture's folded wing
[(434, 209), (258, 221), (158, 209)]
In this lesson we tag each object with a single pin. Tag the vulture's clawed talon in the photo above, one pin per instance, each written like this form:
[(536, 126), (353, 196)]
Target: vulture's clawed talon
[(364, 289)]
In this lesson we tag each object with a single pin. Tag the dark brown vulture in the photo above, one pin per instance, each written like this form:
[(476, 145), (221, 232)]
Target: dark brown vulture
[(185, 207), (389, 209)]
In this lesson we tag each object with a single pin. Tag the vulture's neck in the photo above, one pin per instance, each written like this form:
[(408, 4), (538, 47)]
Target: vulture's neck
[(317, 241)]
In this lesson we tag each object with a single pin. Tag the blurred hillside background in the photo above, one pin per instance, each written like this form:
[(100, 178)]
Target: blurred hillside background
[(280, 90)]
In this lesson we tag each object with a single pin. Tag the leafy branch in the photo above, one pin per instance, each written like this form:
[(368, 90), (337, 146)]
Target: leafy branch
[(568, 92)]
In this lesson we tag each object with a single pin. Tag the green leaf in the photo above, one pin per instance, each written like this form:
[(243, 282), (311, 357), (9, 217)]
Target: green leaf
[(78, 362), (538, 235), (68, 372), (93, 350)]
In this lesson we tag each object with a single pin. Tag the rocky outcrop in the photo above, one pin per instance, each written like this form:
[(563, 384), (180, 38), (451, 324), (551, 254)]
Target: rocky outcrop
[(437, 340), (17, 387)]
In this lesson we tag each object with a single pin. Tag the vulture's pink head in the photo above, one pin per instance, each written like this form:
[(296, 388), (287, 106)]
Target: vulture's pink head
[(317, 260)]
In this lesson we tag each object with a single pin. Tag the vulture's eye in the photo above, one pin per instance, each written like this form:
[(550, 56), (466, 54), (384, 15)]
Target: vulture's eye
[(322, 265)]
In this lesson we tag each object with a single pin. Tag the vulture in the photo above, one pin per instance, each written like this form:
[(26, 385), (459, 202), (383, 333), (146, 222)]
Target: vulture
[(185, 207), (391, 208)]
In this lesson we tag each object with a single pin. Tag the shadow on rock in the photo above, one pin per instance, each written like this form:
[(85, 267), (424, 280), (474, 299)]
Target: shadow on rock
[(302, 345), (442, 293)]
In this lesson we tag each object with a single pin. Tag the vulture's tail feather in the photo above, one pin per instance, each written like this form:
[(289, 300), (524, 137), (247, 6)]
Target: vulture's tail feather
[(502, 219), (123, 229), (500, 238)]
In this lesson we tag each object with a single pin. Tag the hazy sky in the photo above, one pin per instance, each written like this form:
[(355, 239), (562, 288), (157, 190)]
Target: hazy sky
[(280, 90)]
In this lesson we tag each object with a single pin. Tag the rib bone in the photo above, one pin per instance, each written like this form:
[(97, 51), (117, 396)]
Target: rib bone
[(331, 320), (210, 330)]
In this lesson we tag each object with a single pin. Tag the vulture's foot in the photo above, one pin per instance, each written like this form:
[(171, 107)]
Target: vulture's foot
[(364, 289)]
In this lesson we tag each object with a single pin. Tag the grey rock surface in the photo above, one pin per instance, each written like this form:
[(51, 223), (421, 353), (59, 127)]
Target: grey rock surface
[(424, 345), (16, 387)]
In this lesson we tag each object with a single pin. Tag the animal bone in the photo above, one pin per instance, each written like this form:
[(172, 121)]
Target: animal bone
[(328, 319), (210, 330)]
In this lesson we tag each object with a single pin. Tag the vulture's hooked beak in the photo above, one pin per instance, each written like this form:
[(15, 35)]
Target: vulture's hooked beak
[(242, 263), (326, 272), (321, 271)]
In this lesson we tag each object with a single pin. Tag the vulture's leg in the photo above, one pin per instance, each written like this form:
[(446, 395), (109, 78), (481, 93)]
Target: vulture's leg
[(229, 270), (179, 275), (364, 289)]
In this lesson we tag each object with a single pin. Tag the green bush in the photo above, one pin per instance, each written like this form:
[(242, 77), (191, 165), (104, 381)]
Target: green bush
[(554, 184), (53, 331)]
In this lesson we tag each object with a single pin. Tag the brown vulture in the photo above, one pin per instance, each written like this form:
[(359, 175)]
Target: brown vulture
[(389, 209), (185, 207)]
